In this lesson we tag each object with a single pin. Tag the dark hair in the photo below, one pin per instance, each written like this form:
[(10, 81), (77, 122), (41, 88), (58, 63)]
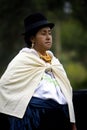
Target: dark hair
[(27, 41), (27, 37)]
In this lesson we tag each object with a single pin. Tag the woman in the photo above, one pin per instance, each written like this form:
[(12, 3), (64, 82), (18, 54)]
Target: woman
[(35, 92)]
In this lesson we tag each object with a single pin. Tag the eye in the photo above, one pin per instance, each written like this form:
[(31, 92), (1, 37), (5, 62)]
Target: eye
[(43, 33), (50, 33)]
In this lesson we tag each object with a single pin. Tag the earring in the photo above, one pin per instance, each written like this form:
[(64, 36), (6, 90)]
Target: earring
[(32, 44)]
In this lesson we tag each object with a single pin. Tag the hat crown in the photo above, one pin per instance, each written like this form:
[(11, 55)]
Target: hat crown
[(34, 18), (34, 22)]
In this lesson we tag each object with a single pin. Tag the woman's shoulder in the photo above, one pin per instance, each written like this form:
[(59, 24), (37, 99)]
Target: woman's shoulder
[(50, 53), (25, 49), (28, 51)]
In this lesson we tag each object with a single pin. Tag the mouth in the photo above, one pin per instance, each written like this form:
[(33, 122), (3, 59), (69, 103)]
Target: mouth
[(48, 42)]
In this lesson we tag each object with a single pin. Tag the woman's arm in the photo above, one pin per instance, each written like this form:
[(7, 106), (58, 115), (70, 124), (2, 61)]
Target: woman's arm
[(73, 126)]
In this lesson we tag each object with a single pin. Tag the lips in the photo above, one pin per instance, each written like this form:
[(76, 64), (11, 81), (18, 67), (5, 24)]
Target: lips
[(48, 42)]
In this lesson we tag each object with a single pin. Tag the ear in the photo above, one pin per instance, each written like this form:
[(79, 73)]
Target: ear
[(32, 39)]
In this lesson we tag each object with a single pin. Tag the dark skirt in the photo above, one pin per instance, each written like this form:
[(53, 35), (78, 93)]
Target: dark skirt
[(42, 115)]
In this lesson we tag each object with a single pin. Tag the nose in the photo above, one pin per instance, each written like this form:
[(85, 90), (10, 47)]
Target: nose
[(48, 36)]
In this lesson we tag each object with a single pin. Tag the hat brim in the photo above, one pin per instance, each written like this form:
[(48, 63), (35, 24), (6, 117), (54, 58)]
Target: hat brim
[(37, 27)]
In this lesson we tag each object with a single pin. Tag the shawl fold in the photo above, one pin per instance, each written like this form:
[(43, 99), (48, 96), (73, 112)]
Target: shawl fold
[(21, 78)]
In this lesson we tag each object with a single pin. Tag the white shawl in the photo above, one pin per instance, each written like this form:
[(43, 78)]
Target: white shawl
[(22, 76)]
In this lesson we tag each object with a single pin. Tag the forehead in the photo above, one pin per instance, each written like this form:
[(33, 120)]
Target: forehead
[(45, 29)]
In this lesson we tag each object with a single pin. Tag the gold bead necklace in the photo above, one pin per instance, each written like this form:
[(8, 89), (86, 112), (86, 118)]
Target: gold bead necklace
[(46, 58)]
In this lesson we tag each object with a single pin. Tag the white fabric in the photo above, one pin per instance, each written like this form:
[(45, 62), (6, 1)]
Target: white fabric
[(49, 88), (22, 76)]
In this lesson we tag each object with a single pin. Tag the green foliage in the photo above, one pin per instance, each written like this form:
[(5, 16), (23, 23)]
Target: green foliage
[(79, 8), (74, 52), (74, 38), (77, 74)]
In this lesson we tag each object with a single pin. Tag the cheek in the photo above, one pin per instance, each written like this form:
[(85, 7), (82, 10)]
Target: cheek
[(40, 40)]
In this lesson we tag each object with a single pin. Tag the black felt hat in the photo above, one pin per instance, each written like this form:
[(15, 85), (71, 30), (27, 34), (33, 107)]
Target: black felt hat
[(34, 22)]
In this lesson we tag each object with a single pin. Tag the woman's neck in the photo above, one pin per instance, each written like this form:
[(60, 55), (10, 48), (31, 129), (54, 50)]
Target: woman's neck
[(42, 52)]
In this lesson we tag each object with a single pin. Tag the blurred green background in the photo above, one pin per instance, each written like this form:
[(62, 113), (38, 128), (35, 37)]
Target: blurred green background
[(69, 34)]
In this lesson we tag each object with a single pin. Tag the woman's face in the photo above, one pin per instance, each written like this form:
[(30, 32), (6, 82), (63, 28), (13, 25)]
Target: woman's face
[(42, 40)]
